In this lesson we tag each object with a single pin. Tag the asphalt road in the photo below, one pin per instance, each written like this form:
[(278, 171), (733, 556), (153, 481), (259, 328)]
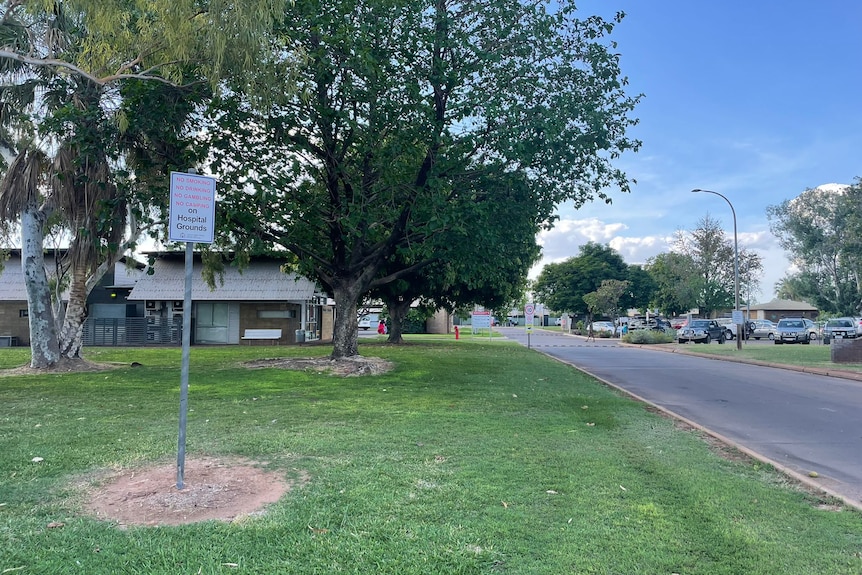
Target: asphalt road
[(804, 422)]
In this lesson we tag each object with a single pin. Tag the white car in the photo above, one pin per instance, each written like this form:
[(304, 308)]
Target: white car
[(365, 323), (602, 327)]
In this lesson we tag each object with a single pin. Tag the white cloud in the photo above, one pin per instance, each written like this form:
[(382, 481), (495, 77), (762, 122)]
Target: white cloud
[(569, 234)]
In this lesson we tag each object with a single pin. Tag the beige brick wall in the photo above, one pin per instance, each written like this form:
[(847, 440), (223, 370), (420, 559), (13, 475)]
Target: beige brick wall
[(12, 324)]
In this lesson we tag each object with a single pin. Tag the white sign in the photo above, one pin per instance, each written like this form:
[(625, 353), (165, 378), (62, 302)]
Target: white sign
[(481, 319), (192, 208), (529, 311), (737, 316)]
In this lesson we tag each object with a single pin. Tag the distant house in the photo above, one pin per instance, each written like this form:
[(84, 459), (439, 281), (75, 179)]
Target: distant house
[(262, 296), (778, 308)]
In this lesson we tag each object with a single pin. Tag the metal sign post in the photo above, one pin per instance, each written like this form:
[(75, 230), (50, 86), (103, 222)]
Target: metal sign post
[(192, 219), (529, 311)]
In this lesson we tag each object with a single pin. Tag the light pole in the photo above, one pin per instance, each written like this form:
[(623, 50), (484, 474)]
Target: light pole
[(740, 329)]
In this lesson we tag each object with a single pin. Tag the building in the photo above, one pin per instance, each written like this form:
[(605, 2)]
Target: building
[(262, 296), (778, 308)]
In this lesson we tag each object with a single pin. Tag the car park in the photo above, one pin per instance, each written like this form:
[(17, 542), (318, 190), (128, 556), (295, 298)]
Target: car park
[(763, 328), (791, 330), (840, 328), (701, 331)]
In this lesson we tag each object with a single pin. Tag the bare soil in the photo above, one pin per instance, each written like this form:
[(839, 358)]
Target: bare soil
[(213, 489), (354, 366)]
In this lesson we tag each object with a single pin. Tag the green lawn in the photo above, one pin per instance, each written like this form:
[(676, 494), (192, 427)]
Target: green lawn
[(812, 355), (469, 457)]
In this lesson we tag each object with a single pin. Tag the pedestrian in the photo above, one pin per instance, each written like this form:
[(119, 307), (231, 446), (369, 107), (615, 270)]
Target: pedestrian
[(381, 327)]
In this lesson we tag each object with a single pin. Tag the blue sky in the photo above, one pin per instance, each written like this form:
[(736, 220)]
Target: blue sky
[(757, 100)]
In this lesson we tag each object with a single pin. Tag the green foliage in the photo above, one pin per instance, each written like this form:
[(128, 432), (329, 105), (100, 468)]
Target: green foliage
[(649, 336), (711, 258), (402, 114), (820, 229), (562, 286)]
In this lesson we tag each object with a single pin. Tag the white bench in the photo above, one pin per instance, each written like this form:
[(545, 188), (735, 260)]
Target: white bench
[(271, 334)]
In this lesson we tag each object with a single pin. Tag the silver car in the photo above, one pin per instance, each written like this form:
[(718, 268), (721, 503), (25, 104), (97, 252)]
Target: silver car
[(791, 330), (763, 328), (840, 327)]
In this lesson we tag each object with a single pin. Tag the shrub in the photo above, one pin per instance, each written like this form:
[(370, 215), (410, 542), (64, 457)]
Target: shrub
[(649, 336)]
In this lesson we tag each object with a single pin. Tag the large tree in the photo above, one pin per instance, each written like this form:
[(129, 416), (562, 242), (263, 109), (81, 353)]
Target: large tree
[(562, 286), (712, 256), (67, 58), (821, 229), (400, 105)]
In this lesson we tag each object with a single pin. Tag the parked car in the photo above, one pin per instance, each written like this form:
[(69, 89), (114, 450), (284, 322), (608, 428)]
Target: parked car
[(813, 329), (701, 331), (791, 330), (365, 322), (763, 328), (679, 322), (730, 327), (603, 327), (840, 327)]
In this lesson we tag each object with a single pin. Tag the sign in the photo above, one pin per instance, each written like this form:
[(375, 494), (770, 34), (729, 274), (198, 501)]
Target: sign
[(192, 208), (738, 318), (481, 319), (529, 312)]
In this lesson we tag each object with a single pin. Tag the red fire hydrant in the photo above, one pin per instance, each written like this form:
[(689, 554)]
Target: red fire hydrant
[(456, 332)]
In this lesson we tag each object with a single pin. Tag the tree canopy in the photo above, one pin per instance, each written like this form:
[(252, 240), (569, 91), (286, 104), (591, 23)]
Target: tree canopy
[(821, 229), (399, 108), (562, 286)]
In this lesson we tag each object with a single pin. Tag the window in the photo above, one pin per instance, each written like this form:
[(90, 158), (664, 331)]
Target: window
[(277, 314), (23, 313)]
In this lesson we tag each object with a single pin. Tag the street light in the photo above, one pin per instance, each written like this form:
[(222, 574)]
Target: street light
[(740, 330)]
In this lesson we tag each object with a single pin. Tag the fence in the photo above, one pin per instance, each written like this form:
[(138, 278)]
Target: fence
[(106, 331)]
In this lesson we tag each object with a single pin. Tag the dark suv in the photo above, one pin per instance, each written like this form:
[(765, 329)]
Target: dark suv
[(701, 331)]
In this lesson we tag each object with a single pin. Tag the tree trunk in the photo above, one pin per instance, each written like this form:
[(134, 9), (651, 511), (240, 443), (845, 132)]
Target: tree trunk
[(398, 311), (44, 345), (345, 334), (72, 334)]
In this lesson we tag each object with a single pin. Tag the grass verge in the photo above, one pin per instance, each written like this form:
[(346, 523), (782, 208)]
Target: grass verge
[(812, 355), (469, 457)]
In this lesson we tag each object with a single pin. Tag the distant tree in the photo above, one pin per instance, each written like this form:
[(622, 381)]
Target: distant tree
[(677, 283), (562, 286), (606, 299), (642, 288), (712, 255), (821, 229)]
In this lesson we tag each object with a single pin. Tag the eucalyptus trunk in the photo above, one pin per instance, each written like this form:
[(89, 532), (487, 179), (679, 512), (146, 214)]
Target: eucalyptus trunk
[(44, 345)]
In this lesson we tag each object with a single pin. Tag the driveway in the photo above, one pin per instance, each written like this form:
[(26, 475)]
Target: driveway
[(803, 423)]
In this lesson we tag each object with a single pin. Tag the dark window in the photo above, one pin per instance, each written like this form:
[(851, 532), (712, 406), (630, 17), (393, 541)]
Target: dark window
[(23, 313)]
